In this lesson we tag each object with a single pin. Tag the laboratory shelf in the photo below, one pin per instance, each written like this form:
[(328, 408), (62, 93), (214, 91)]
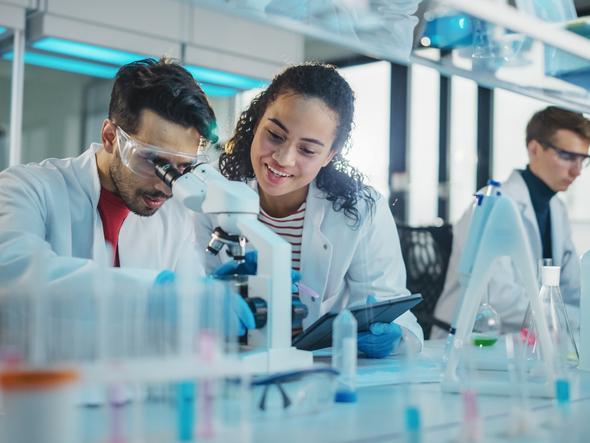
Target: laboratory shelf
[(490, 42)]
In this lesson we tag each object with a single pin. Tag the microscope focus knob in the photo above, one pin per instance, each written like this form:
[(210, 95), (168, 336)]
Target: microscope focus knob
[(259, 308)]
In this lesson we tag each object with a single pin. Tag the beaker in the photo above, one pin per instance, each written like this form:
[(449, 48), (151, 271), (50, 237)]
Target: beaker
[(39, 406)]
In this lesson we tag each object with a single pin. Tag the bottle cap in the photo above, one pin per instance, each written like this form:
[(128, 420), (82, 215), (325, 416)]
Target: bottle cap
[(550, 275), (562, 391), (345, 396), (36, 379)]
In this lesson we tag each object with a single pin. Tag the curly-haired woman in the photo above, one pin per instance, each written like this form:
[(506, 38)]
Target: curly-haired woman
[(288, 144)]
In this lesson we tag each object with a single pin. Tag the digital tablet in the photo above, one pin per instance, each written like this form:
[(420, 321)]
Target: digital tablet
[(319, 334)]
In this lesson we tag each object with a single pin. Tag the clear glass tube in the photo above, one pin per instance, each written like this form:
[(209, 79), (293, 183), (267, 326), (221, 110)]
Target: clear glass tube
[(344, 355)]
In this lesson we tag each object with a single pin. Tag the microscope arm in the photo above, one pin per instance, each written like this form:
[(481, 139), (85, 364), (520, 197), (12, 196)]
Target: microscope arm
[(273, 277)]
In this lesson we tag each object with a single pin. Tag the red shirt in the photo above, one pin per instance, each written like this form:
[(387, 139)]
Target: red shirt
[(113, 211)]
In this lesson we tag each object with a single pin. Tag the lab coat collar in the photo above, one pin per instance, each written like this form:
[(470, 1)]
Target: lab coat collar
[(316, 249), (516, 188), (558, 240), (87, 173)]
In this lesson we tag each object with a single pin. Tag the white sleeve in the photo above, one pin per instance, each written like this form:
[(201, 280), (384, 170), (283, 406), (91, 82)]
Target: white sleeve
[(378, 268), (23, 236)]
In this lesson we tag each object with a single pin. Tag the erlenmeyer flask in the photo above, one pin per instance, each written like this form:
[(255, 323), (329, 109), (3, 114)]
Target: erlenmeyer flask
[(524, 332), (560, 332), (486, 328)]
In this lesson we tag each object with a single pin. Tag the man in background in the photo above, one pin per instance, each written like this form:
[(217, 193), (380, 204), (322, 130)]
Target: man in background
[(557, 143)]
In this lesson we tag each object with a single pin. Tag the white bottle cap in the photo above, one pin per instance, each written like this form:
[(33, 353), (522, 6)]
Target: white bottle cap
[(550, 275)]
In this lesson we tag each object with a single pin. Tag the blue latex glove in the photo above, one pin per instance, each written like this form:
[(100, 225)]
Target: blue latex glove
[(249, 267), (239, 318), (163, 306), (381, 339)]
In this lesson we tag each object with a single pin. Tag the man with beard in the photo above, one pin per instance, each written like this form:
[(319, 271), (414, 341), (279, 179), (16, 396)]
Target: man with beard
[(63, 213)]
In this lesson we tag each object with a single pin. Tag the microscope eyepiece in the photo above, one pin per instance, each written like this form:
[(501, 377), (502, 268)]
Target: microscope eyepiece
[(165, 171)]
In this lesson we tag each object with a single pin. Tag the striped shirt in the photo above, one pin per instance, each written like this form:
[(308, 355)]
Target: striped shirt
[(290, 228)]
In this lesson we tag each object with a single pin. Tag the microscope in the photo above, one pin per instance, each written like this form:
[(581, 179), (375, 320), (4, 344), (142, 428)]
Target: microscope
[(236, 207), (496, 230)]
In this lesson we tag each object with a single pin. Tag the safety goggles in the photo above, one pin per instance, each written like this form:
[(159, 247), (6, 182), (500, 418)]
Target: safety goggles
[(570, 157), (141, 157), (305, 391)]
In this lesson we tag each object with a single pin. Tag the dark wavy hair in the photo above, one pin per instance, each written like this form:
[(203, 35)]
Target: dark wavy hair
[(164, 87), (342, 184)]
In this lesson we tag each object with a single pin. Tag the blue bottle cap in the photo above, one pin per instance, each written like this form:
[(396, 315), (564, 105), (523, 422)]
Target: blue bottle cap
[(562, 391), (412, 418), (345, 397), (495, 183)]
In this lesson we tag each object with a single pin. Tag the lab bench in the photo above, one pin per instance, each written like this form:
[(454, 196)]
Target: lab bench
[(378, 414)]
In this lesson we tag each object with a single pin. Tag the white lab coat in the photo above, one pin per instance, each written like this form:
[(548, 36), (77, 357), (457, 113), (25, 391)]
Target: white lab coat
[(507, 296), (50, 209), (342, 264)]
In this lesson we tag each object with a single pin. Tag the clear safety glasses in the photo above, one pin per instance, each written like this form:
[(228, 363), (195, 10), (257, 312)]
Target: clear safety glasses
[(571, 157), (305, 391), (140, 157)]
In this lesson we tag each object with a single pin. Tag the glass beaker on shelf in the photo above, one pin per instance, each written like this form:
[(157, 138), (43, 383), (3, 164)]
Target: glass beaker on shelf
[(487, 326)]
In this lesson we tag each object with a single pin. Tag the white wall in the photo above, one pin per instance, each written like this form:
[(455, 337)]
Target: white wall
[(370, 136), (423, 145), (462, 146)]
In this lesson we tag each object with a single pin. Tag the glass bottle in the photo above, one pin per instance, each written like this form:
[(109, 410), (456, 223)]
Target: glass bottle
[(560, 332)]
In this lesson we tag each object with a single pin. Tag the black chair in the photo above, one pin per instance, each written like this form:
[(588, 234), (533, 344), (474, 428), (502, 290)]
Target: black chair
[(426, 252)]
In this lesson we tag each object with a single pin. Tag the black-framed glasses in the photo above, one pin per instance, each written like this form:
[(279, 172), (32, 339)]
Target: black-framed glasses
[(582, 159)]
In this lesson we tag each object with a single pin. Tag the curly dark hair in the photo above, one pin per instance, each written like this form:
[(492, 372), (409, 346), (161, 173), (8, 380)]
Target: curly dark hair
[(342, 184), (164, 87)]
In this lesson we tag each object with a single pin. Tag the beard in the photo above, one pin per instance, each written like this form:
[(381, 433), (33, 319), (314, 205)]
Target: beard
[(131, 193)]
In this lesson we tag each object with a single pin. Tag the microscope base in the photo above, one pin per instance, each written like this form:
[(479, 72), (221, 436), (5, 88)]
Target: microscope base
[(276, 360)]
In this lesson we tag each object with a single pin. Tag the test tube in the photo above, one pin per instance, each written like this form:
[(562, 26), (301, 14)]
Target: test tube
[(344, 355), (563, 422), (471, 426), (522, 421), (412, 416), (471, 431)]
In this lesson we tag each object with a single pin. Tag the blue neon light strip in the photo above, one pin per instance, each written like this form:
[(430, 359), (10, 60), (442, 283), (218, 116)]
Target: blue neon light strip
[(117, 57), (84, 50), (97, 70), (217, 91), (65, 64), (2, 30), (228, 79), (214, 82)]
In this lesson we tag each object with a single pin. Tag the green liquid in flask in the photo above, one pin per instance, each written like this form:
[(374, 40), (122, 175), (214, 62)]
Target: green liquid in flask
[(484, 341)]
